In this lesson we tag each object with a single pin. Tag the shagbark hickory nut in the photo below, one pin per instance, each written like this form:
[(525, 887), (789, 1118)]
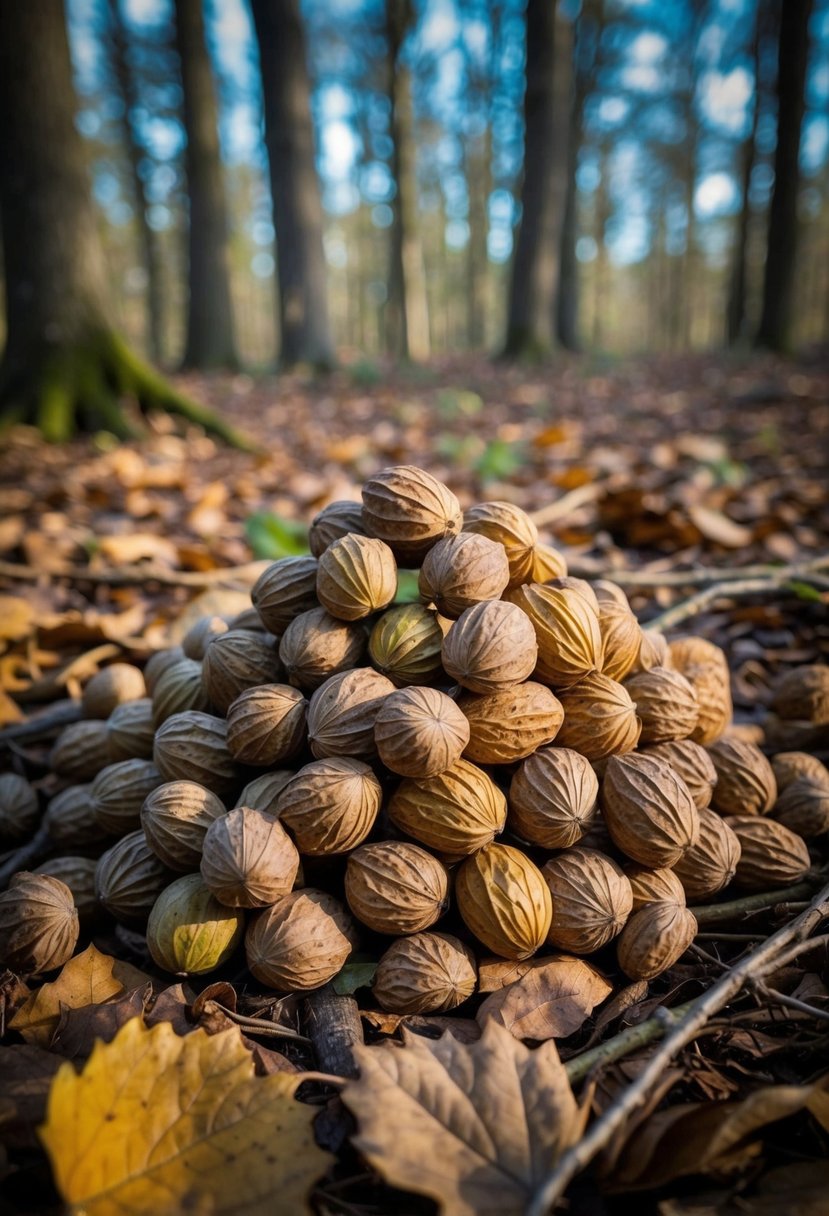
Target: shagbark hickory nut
[(248, 859), (553, 798), (791, 766), (356, 576), (175, 818), (804, 807), (599, 718), (284, 590), (511, 724), (81, 750), (199, 636), (511, 527), (694, 651), (237, 660), (299, 943), (131, 731), (342, 713), (653, 651), (568, 582), (705, 667), (410, 510), (333, 522), (129, 878), (420, 732), (179, 688), (70, 818), (654, 938), (548, 564), (694, 765), (504, 901), (745, 779), (802, 695), (266, 725), (110, 687), (460, 571), (771, 855), (654, 886), (158, 663), (621, 638), (315, 646), (395, 887), (591, 900), (78, 873), (425, 973), (454, 813), (330, 805), (189, 932), (648, 809), (567, 632), (19, 808), (709, 865), (608, 592), (39, 924), (406, 643), (666, 705), (118, 793), (193, 747), (261, 793), (489, 647)]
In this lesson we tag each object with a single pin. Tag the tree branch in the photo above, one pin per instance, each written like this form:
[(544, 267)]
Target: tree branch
[(28, 855), (131, 576), (740, 588), (649, 578), (738, 909)]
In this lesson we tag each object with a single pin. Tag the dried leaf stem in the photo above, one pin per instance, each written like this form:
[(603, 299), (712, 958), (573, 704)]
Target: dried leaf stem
[(735, 589)]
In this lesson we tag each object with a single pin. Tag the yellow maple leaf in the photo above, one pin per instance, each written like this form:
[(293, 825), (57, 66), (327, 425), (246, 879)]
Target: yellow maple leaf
[(167, 1124)]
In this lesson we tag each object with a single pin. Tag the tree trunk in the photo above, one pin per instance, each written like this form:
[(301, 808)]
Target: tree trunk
[(567, 306), (781, 250), (209, 342), (297, 208), (128, 89), (64, 367), (535, 263)]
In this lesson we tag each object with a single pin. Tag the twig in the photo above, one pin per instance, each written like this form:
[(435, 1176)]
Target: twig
[(736, 589), (788, 956), (738, 909), (729, 937), (63, 713), (26, 856), (568, 502), (685, 1028), (790, 1002), (623, 1043), (650, 578), (335, 1028), (263, 1027), (137, 575)]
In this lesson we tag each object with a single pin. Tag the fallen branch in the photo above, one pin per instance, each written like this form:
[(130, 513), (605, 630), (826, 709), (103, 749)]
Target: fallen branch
[(735, 589), (568, 502), (748, 905), (650, 578), (333, 1023), (27, 856), (685, 1028), (623, 1043), (788, 1002), (64, 713), (134, 576)]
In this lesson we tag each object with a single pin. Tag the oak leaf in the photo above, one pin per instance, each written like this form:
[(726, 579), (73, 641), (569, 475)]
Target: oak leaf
[(475, 1128), (552, 999), (164, 1124)]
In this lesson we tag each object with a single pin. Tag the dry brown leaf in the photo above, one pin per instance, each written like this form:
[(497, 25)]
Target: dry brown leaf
[(77, 1029), (718, 528), (495, 973), (26, 1073), (476, 1128), (16, 618), (553, 998)]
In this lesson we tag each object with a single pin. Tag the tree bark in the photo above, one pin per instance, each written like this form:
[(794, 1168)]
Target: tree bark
[(209, 342), (297, 207), (536, 261), (781, 249), (567, 304), (64, 367)]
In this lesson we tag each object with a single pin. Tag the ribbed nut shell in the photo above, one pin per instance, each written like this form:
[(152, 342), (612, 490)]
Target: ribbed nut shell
[(78, 873), (463, 570), (175, 818), (266, 725), (580, 586), (405, 645), (19, 808), (553, 798), (110, 687), (199, 636), (649, 886), (591, 900), (420, 732), (248, 859), (179, 688), (342, 713), (70, 818), (299, 943), (709, 865), (237, 660), (713, 689), (771, 855), (599, 718), (330, 805), (509, 725), (158, 663), (621, 639), (694, 651), (608, 592), (548, 564), (261, 793), (654, 938), (129, 878), (648, 809), (694, 765), (316, 646), (511, 527), (803, 695), (791, 766), (454, 813), (193, 747), (489, 647), (333, 522), (666, 705), (745, 779), (81, 750), (284, 590), (131, 731), (356, 576), (804, 807), (250, 621), (410, 510), (504, 901), (426, 973), (189, 932), (395, 887), (567, 632), (38, 924), (118, 793), (653, 651)]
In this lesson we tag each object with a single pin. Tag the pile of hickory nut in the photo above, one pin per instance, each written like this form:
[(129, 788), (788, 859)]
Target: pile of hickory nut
[(508, 766)]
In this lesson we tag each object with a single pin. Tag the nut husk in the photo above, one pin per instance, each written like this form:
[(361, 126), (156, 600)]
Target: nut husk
[(791, 766), (237, 660), (158, 663), (694, 765), (461, 571), (621, 638), (189, 932), (648, 809), (489, 647), (330, 805), (599, 718), (454, 813), (425, 973), (591, 900), (332, 522), (81, 750), (110, 687), (658, 886), (405, 645), (771, 855), (248, 859), (131, 731), (511, 527), (266, 725), (653, 651), (129, 878), (395, 887), (118, 793), (504, 901), (802, 695), (804, 807), (420, 732), (567, 632), (705, 667), (39, 924), (548, 564), (177, 689), (356, 576), (284, 590), (193, 747), (199, 636), (511, 724), (745, 779), (175, 818), (261, 793), (316, 646), (342, 713), (553, 798), (666, 705), (78, 873), (299, 943), (19, 807), (70, 818), (654, 938), (410, 510), (709, 865)]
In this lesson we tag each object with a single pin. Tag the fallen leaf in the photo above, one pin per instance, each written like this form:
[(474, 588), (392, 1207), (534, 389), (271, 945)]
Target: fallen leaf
[(77, 1029), (16, 618), (172, 1006), (553, 998), (352, 977), (163, 1124), (718, 528), (476, 1128), (495, 973)]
